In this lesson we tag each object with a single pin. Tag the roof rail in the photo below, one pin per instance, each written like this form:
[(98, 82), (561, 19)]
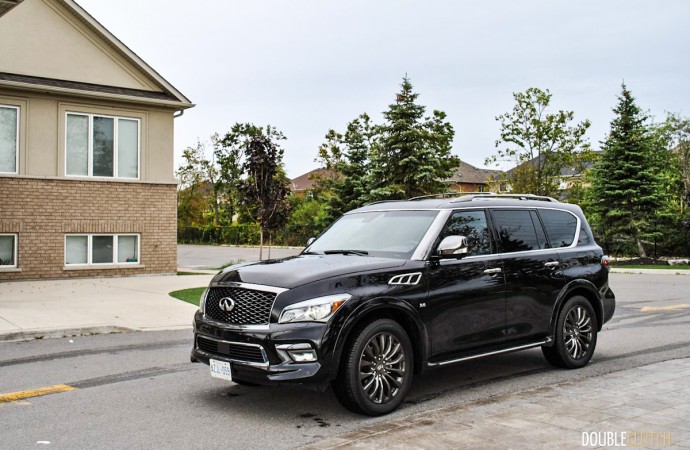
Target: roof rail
[(448, 194), (383, 201), (469, 198)]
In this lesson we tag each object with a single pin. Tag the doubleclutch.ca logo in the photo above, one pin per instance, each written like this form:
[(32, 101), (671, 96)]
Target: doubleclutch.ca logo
[(641, 439)]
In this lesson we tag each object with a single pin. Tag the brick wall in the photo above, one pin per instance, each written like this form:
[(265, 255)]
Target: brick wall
[(42, 211)]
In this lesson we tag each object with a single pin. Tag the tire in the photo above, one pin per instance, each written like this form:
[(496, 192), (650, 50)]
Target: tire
[(576, 335), (381, 353)]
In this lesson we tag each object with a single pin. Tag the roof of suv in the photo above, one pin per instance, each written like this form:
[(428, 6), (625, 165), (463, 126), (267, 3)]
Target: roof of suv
[(470, 201)]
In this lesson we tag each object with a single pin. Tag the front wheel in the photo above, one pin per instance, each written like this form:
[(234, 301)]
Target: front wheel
[(376, 371), (576, 335)]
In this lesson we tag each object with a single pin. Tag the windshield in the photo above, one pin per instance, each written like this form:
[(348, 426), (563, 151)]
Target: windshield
[(389, 234)]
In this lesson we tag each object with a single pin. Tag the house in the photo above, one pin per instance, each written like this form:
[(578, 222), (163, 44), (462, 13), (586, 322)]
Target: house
[(569, 176), (467, 178), (305, 183), (86, 149)]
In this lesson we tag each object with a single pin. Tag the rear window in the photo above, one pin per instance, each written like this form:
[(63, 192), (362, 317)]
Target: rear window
[(560, 227), (516, 230)]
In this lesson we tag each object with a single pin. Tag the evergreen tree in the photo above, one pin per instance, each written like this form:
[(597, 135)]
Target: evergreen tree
[(413, 152), (347, 156), (627, 185)]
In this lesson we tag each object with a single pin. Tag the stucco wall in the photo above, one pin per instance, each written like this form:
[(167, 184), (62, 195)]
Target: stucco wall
[(42, 133), (42, 211), (61, 47)]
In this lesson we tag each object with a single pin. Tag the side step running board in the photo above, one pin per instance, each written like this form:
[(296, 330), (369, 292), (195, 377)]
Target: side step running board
[(496, 352)]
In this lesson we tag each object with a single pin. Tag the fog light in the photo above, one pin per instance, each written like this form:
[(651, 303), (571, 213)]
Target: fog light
[(302, 355)]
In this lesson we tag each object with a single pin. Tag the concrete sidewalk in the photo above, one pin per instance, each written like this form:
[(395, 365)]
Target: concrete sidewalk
[(645, 407), (56, 308)]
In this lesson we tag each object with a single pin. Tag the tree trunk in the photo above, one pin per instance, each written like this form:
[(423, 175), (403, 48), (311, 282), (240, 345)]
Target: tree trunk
[(640, 249), (261, 244), (270, 243)]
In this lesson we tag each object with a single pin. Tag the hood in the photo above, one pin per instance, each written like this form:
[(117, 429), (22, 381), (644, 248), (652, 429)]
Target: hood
[(296, 271)]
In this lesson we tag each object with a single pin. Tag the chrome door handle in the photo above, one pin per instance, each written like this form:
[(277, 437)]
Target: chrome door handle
[(492, 271), (552, 264)]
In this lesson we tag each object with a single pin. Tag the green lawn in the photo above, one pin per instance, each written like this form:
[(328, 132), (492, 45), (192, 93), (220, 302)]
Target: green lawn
[(641, 266), (189, 295)]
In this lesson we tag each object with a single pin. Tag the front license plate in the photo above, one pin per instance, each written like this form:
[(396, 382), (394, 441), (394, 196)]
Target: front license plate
[(220, 369)]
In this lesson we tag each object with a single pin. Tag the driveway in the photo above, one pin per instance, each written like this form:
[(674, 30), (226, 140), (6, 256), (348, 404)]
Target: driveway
[(213, 257)]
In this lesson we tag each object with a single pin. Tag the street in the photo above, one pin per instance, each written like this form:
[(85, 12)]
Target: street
[(138, 390)]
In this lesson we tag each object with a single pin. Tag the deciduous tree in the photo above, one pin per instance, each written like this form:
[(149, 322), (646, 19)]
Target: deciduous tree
[(263, 188), (540, 144)]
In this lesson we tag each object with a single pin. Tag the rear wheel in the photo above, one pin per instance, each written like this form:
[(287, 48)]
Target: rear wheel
[(576, 335), (376, 371)]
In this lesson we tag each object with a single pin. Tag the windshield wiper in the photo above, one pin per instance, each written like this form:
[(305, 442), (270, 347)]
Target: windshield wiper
[(346, 252)]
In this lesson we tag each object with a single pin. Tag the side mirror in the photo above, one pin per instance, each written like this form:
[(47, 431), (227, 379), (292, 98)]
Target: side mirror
[(310, 241), (452, 247)]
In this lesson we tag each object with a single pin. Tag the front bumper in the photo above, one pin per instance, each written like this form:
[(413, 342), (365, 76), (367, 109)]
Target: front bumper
[(259, 354)]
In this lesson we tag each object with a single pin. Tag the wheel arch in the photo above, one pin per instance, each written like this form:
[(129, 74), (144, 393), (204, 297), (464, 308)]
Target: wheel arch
[(383, 308), (585, 289)]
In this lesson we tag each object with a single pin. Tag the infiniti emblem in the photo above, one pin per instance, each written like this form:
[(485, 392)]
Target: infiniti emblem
[(226, 304)]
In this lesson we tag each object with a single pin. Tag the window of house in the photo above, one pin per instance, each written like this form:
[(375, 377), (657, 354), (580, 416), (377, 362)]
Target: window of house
[(8, 251), (101, 146), (94, 249), (9, 138)]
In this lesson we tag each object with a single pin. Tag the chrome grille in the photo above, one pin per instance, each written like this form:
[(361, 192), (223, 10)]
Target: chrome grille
[(252, 307), (236, 351)]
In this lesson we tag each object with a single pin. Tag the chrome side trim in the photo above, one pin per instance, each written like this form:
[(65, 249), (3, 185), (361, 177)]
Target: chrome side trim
[(263, 365), (496, 352)]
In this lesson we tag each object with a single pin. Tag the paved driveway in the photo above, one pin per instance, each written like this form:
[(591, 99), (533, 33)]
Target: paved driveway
[(213, 257)]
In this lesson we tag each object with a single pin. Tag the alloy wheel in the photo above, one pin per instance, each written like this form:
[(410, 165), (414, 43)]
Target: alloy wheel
[(382, 367), (577, 332)]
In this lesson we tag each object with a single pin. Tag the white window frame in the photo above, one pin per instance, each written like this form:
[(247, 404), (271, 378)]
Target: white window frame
[(16, 252), (89, 250), (89, 156), (16, 145)]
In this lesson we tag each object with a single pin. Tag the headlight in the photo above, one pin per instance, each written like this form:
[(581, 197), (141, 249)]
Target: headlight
[(202, 300), (315, 310)]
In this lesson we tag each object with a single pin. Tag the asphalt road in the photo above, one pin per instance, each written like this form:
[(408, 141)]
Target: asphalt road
[(139, 390)]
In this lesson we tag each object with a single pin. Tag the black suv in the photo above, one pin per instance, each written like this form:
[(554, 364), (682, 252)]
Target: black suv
[(395, 288)]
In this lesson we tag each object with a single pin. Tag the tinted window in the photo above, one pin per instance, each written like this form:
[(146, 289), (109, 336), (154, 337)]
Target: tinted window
[(516, 232), (472, 225), (584, 238), (560, 227)]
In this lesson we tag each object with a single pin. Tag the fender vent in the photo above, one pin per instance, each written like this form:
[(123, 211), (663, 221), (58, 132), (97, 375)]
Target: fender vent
[(408, 279)]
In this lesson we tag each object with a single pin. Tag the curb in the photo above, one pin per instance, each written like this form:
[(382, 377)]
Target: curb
[(29, 335), (651, 271)]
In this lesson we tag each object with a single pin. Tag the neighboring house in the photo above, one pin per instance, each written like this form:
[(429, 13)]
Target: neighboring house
[(86, 149), (305, 183), (467, 178), (569, 176)]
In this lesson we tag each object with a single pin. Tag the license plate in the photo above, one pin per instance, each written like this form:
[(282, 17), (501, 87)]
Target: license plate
[(220, 369)]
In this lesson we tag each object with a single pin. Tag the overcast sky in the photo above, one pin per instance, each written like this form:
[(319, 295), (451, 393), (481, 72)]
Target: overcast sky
[(308, 66)]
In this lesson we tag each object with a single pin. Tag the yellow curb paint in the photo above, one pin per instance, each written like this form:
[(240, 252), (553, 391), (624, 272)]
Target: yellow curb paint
[(14, 396), (664, 308)]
